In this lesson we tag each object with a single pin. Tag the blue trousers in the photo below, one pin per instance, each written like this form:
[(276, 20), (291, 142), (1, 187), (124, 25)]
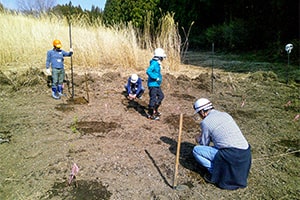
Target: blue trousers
[(205, 155)]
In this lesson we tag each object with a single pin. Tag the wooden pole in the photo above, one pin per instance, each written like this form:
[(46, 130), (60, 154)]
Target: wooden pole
[(87, 88), (178, 152), (72, 75)]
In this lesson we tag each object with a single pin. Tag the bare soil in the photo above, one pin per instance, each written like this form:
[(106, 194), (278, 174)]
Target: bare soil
[(123, 155)]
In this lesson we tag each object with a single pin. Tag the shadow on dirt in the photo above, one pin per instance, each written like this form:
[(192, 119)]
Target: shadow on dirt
[(82, 190), (186, 158), (158, 169), (137, 106)]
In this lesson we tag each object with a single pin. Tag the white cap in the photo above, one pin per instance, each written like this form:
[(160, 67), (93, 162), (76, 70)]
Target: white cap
[(134, 78), (202, 104), (159, 52)]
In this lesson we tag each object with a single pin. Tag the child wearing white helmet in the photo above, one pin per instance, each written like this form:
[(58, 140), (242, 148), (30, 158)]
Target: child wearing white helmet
[(154, 82), (228, 160), (134, 87)]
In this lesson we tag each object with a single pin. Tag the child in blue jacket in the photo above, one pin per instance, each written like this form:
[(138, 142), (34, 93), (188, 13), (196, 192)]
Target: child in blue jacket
[(154, 82)]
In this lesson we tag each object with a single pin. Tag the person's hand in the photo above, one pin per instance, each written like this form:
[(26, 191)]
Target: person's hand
[(71, 50), (48, 71), (131, 96)]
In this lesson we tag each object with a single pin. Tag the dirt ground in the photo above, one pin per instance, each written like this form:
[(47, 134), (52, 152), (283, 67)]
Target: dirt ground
[(123, 155)]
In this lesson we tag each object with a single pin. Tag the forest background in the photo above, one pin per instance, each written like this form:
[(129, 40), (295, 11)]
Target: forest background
[(260, 28)]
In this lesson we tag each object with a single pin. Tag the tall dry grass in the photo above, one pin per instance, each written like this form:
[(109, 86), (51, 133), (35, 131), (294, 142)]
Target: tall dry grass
[(26, 39)]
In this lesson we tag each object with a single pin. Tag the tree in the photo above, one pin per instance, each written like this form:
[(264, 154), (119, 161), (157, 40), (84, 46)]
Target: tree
[(117, 11), (1, 7)]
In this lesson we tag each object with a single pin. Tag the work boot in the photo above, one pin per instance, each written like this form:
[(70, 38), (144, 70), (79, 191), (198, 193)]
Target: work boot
[(151, 115), (156, 113), (54, 91), (207, 178), (60, 90), (156, 110)]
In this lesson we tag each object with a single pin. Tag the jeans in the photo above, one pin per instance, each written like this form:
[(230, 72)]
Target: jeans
[(58, 76), (205, 156)]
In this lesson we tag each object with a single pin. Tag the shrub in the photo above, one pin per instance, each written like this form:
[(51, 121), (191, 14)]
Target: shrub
[(231, 36)]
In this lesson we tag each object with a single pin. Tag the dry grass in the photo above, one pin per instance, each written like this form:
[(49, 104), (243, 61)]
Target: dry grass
[(27, 39)]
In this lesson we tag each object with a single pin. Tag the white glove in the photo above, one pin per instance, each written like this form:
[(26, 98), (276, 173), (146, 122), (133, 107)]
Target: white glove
[(71, 50), (48, 71)]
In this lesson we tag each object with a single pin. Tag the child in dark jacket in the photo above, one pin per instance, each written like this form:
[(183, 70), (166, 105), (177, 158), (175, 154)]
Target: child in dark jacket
[(134, 87)]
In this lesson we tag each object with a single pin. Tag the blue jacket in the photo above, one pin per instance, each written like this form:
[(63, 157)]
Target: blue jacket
[(55, 58), (134, 88), (153, 73)]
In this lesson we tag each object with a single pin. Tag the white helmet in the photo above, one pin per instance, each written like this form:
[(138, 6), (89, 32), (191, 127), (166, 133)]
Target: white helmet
[(134, 78), (159, 52), (202, 104)]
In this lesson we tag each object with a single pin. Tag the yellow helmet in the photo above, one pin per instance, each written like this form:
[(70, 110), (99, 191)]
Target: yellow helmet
[(57, 44)]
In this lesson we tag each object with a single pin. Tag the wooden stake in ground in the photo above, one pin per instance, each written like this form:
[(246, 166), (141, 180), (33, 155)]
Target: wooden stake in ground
[(87, 88), (178, 152)]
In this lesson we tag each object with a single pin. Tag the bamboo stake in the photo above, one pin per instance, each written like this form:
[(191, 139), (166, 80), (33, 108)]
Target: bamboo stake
[(178, 152)]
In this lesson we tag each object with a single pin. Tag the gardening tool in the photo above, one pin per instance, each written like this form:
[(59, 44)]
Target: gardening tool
[(70, 36), (177, 153)]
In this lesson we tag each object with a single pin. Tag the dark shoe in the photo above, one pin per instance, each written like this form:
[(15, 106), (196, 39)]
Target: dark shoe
[(153, 117), (155, 112), (207, 178)]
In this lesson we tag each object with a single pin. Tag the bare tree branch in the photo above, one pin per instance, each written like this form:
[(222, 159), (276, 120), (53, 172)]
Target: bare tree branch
[(35, 5)]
